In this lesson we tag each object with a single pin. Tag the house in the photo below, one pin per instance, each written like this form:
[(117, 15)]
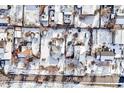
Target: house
[(3, 36), (58, 15), (87, 19), (89, 9), (4, 18), (120, 20), (105, 56), (105, 17), (31, 15), (78, 9), (119, 36), (9, 43), (101, 36), (119, 10), (32, 37), (68, 11), (44, 17), (4, 7), (16, 15)]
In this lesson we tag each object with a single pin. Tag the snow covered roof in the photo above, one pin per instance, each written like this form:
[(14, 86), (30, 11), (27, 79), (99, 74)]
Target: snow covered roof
[(120, 10), (3, 7), (120, 20), (89, 9), (118, 56), (3, 20)]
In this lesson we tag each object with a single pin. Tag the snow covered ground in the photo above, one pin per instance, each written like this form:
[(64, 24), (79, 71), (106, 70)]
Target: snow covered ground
[(20, 84), (58, 59)]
